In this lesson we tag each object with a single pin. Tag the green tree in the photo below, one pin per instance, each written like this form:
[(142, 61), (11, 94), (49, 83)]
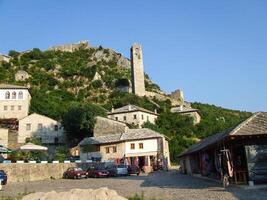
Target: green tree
[(62, 153), (79, 121)]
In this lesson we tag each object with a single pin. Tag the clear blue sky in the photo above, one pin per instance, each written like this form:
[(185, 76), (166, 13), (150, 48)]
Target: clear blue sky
[(216, 51)]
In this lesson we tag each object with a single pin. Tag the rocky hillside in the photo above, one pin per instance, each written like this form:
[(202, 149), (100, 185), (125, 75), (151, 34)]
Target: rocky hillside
[(64, 75), (56, 77)]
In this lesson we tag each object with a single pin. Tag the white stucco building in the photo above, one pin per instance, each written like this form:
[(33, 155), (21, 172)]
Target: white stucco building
[(14, 101), (143, 147), (132, 114), (48, 130)]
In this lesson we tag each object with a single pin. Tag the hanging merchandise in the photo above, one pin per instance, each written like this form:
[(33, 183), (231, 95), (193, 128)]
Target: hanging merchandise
[(229, 163), (217, 160)]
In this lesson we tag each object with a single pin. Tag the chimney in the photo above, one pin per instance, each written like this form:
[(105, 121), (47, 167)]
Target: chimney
[(155, 111), (181, 107), (129, 107), (112, 109)]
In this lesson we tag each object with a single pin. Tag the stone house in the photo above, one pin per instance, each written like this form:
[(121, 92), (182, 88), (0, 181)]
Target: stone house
[(183, 110), (246, 145), (142, 147), (134, 115), (14, 101), (48, 130)]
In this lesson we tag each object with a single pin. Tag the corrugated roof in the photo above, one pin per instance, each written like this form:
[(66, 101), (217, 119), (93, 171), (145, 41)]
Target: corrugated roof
[(130, 134), (130, 108), (8, 86), (254, 125)]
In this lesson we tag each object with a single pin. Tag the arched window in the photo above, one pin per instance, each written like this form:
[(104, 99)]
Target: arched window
[(14, 95), (20, 95), (7, 95)]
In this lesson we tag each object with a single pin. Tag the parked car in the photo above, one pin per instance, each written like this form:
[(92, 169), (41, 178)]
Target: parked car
[(122, 170), (97, 172), (3, 177), (75, 173), (112, 169), (133, 169)]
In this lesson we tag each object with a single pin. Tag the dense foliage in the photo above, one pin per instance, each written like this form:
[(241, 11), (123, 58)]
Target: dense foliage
[(79, 121)]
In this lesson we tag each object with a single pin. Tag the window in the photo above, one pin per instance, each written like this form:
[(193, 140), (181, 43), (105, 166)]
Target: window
[(19, 107), (141, 145), (40, 126), (14, 95), (12, 107), (56, 127), (124, 118), (7, 96), (116, 118), (28, 127), (107, 149), (147, 118), (135, 117), (114, 149), (20, 96), (97, 148), (5, 107), (132, 146), (142, 117)]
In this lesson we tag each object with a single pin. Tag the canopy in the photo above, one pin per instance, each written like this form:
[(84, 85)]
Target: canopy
[(32, 147), (4, 149)]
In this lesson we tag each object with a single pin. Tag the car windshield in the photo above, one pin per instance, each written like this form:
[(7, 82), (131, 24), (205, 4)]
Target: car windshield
[(121, 166), (2, 172), (100, 168), (77, 169)]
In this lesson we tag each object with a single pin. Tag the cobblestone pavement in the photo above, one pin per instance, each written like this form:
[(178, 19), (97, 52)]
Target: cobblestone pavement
[(160, 185)]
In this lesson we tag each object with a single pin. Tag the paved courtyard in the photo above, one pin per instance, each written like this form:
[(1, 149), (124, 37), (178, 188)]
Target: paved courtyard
[(160, 185)]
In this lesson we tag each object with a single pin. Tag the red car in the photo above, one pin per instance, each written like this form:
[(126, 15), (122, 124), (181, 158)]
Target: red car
[(133, 169), (75, 173), (97, 172)]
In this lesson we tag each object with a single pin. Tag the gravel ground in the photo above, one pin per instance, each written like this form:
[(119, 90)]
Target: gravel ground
[(160, 185)]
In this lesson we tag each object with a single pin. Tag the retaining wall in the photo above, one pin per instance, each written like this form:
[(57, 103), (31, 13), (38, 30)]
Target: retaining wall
[(22, 172)]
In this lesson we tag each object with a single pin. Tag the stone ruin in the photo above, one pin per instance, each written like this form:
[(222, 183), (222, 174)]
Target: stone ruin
[(21, 75), (70, 47)]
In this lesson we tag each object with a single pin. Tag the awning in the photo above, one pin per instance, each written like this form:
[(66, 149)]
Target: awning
[(5, 150), (32, 147)]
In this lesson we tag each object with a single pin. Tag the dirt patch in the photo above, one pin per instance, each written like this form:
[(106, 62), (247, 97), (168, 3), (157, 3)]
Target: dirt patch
[(76, 194)]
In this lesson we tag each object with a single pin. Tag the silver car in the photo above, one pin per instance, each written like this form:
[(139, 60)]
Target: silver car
[(122, 170)]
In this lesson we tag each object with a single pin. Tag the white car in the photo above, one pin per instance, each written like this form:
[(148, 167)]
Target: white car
[(122, 170)]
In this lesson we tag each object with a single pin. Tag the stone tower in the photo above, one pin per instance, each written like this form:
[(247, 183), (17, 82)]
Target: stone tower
[(138, 80), (178, 95)]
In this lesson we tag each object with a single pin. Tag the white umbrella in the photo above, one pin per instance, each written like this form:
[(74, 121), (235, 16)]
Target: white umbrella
[(32, 147)]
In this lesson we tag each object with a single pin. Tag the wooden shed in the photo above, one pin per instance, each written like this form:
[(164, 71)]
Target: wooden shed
[(247, 144)]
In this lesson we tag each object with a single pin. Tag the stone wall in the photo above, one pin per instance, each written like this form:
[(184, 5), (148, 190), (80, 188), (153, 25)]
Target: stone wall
[(21, 172), (105, 126), (4, 137), (70, 47)]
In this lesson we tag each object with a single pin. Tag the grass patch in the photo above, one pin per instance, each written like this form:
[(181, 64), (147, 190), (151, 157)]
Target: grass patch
[(140, 197)]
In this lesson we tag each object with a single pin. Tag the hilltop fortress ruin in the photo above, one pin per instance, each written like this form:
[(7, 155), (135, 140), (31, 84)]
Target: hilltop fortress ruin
[(137, 83), (179, 105)]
